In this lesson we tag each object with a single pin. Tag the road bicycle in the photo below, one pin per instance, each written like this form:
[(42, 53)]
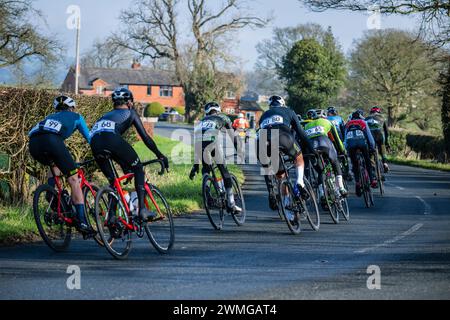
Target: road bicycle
[(364, 179), (215, 199), (334, 202), (380, 175), (116, 223), (292, 208), (55, 214)]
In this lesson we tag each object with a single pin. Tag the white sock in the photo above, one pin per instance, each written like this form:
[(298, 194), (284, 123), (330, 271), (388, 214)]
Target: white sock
[(340, 182), (300, 175)]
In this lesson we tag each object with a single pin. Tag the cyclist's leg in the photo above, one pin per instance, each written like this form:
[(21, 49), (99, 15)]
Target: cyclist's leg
[(291, 147), (63, 160), (370, 166), (263, 158)]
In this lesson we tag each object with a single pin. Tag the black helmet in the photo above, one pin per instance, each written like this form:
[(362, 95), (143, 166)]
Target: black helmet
[(333, 111), (64, 103), (212, 106), (277, 101), (122, 96), (311, 114), (358, 115)]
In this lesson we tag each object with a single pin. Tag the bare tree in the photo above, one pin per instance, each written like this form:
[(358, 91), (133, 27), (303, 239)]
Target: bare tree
[(107, 54), (434, 14), (19, 39), (153, 31)]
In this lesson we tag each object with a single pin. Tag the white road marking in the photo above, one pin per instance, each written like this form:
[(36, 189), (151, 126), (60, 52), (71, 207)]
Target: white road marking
[(393, 240), (426, 205)]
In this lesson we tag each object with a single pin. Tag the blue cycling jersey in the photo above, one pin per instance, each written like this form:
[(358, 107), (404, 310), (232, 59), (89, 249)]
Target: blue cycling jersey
[(338, 122), (64, 124)]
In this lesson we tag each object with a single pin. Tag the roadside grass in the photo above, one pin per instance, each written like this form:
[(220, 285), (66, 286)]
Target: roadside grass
[(425, 164), (183, 195), (17, 225)]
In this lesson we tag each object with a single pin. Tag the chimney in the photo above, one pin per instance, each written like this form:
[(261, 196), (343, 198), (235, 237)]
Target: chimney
[(136, 65)]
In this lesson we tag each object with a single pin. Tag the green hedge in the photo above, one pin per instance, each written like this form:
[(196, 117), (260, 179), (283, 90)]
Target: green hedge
[(154, 109), (411, 145)]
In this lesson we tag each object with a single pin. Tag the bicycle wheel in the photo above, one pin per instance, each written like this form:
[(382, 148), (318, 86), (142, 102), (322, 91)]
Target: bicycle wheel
[(311, 208), (239, 219), (89, 209), (213, 202), (113, 233), (53, 230), (160, 231), (344, 209), (380, 175), (329, 189), (288, 207)]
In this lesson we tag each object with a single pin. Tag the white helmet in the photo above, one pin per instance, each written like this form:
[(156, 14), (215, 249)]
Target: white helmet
[(277, 101), (64, 103), (240, 116), (212, 106)]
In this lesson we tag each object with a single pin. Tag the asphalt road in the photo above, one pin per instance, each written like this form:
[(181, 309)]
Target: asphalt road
[(406, 234)]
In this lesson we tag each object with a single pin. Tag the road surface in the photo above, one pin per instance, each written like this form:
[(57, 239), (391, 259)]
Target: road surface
[(406, 235)]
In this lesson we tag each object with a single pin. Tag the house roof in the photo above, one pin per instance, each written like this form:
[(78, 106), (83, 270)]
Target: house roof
[(246, 105), (118, 77)]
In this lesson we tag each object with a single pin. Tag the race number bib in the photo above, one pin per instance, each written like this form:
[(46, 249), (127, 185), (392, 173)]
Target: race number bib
[(208, 125), (335, 123), (316, 131), (52, 126), (355, 134), (103, 126), (274, 120)]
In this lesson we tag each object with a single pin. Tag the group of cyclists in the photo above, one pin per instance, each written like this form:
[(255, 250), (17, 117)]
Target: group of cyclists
[(321, 131)]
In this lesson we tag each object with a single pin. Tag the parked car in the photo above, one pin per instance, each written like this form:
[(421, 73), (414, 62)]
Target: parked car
[(172, 116)]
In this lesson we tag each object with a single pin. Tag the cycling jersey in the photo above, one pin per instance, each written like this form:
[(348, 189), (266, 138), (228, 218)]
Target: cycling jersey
[(63, 123), (377, 124), (241, 124), (358, 132), (210, 126), (119, 121), (324, 128), (278, 118), (338, 122)]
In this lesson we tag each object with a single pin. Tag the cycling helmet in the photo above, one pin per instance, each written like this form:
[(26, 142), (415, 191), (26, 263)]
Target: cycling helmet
[(332, 111), (277, 101), (64, 103), (321, 113), (375, 109), (357, 115), (212, 106), (311, 114), (122, 96), (240, 116)]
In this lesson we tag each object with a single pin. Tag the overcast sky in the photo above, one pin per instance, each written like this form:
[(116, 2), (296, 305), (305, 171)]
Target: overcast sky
[(100, 18)]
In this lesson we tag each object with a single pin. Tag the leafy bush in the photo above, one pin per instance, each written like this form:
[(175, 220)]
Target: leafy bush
[(154, 109), (181, 110)]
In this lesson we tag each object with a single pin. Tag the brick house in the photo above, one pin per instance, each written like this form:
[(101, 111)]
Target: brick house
[(147, 85)]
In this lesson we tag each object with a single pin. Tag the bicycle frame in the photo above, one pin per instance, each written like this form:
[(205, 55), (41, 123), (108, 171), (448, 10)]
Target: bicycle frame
[(59, 185), (118, 186)]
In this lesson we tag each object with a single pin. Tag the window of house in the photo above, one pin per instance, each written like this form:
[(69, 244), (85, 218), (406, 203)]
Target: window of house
[(230, 94), (166, 91), (99, 90), (149, 90)]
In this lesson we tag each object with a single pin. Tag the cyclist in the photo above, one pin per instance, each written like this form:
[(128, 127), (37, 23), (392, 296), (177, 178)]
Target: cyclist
[(378, 126), (324, 137), (106, 140), (359, 137), (241, 123), (292, 138), (337, 121), (207, 135), (47, 147)]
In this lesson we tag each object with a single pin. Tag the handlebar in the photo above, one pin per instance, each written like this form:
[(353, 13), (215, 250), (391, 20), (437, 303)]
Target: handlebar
[(161, 163)]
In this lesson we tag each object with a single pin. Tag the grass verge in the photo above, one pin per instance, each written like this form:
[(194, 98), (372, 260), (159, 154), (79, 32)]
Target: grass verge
[(17, 225), (425, 164)]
